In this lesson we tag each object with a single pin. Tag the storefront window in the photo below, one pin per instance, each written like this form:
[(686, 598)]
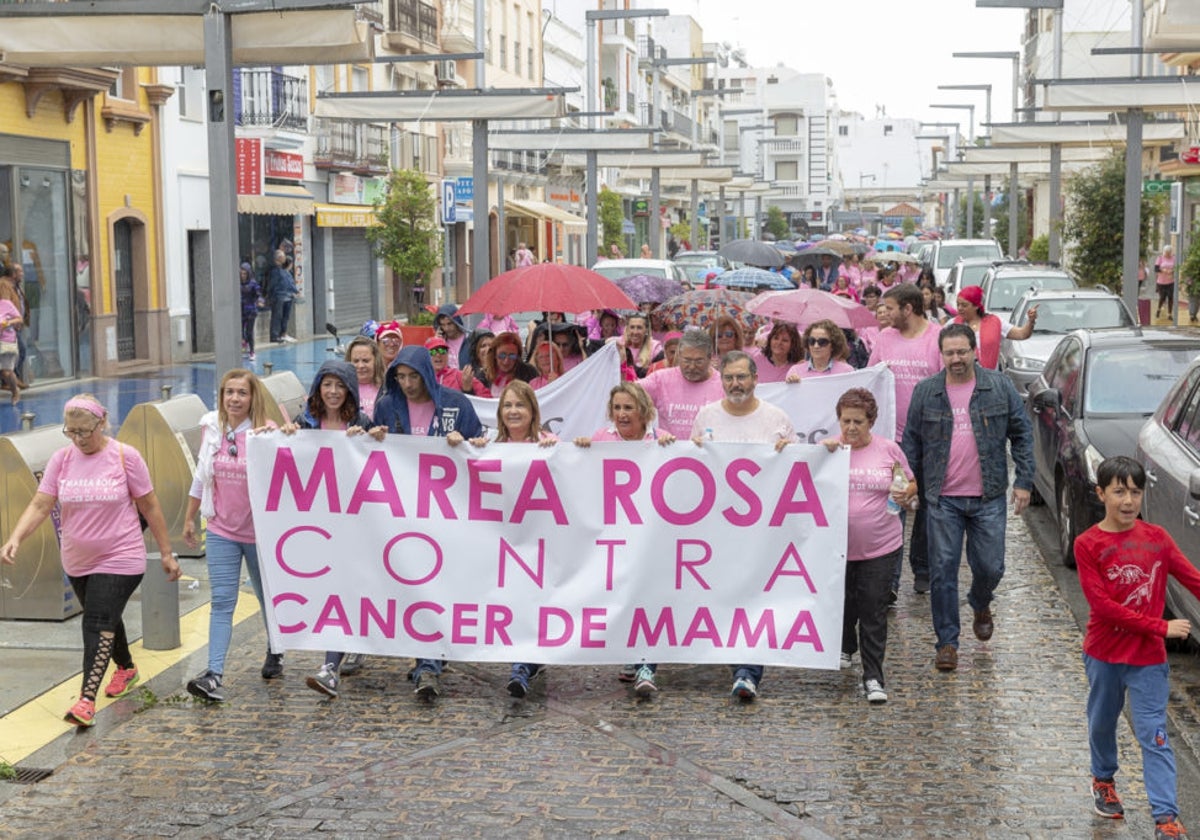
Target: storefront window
[(259, 237), (49, 276)]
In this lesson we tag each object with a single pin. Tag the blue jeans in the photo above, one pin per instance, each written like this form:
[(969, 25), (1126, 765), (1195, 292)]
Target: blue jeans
[(1148, 689), (983, 525), (224, 580), (281, 313)]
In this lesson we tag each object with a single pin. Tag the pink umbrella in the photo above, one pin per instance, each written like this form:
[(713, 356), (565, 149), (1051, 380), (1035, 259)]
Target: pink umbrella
[(546, 287), (804, 306)]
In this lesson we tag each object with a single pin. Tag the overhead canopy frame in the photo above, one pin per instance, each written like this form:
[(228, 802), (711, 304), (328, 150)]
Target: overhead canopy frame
[(443, 105), (1083, 134), (1150, 93)]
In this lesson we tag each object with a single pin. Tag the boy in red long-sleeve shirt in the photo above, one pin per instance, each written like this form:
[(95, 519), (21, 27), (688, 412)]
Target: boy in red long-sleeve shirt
[(1123, 567)]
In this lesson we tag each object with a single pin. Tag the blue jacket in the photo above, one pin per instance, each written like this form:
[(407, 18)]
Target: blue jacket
[(345, 372), (452, 411), (281, 285), (997, 416)]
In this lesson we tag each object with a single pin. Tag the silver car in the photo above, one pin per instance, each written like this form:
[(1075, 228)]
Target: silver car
[(1169, 448), (1058, 312)]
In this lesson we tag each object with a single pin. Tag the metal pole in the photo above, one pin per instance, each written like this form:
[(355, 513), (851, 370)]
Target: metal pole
[(737, 233), (1133, 207), (593, 203), (720, 217), (987, 179), (655, 226), (1055, 232), (695, 239), (756, 227), (971, 207), (480, 247), (501, 233), (1013, 211), (223, 226)]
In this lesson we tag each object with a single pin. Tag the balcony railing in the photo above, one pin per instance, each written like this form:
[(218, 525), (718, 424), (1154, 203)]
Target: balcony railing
[(267, 98), (346, 145), (415, 18), (630, 102)]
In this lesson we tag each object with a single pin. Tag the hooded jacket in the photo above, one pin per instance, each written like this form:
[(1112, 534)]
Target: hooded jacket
[(452, 411), (345, 372)]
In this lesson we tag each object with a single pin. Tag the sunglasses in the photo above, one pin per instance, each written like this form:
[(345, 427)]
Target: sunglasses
[(506, 356), (819, 342), (230, 438), (727, 334), (438, 351)]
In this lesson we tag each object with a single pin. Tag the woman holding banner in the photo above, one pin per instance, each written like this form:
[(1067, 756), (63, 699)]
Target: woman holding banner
[(875, 535), (630, 412), (827, 352), (519, 420)]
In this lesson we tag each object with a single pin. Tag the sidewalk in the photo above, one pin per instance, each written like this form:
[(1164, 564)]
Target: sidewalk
[(998, 748)]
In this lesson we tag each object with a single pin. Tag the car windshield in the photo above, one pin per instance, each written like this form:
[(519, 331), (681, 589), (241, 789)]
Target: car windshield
[(1062, 316), (698, 261), (1132, 380), (1006, 291), (616, 272), (948, 255), (971, 275)]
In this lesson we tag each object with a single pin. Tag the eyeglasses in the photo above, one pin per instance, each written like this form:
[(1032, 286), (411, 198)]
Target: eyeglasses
[(80, 434), (230, 438), (727, 334), (685, 361), (438, 351), (506, 356), (735, 377), (819, 342)]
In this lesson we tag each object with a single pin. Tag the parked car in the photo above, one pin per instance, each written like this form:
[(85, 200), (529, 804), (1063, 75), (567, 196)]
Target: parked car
[(1058, 313), (968, 271), (1168, 447), (1005, 283), (1089, 403), (944, 253), (699, 264), (616, 269)]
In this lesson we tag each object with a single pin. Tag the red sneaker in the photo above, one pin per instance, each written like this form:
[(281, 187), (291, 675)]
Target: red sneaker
[(83, 713), (122, 680)]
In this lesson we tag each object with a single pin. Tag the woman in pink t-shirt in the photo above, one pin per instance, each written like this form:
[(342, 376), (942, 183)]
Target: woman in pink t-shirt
[(875, 535), (100, 486), (783, 349), (640, 343), (1164, 281), (221, 493), (547, 358), (519, 420), (827, 352), (364, 354), (631, 412)]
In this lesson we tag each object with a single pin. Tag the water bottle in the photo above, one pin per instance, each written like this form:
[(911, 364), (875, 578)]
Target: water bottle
[(899, 483)]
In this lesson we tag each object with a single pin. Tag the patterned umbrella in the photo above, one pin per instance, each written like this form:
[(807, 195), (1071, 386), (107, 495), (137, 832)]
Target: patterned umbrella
[(804, 306), (703, 306), (751, 279), (648, 288)]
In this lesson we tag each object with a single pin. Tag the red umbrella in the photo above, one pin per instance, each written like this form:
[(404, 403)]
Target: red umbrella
[(546, 287), (804, 306)]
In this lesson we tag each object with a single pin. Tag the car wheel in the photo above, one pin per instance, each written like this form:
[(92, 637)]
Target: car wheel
[(1066, 525)]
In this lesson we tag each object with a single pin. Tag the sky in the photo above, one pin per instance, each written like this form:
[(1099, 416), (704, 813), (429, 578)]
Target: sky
[(877, 52)]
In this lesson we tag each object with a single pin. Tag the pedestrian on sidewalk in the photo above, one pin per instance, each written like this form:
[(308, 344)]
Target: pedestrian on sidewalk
[(1123, 567), (960, 422), (100, 486), (251, 298), (221, 493), (281, 292), (1164, 282)]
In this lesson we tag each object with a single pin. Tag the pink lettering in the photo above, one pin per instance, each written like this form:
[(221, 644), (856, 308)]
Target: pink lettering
[(539, 476), (497, 619), (702, 628), (333, 614), (435, 488), (592, 623), (369, 614), (788, 504), (664, 625), (304, 495), (506, 551), (754, 505), (430, 575), (681, 563), (707, 484), (741, 626), (477, 487), (295, 598), (463, 618), (565, 626), (287, 535), (608, 570), (804, 632), (377, 465), (790, 554), (621, 492), (410, 613)]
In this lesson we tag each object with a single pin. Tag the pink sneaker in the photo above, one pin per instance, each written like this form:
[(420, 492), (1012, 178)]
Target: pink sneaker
[(83, 713), (122, 680)]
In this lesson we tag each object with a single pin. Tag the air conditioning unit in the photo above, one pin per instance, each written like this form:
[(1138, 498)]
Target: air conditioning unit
[(446, 71)]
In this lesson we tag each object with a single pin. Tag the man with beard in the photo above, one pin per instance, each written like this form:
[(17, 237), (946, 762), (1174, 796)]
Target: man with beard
[(959, 423), (679, 392), (742, 417)]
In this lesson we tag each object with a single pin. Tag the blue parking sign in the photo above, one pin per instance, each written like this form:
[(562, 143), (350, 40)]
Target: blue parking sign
[(449, 214)]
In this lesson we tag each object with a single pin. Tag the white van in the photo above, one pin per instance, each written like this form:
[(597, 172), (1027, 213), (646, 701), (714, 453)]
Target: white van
[(946, 252)]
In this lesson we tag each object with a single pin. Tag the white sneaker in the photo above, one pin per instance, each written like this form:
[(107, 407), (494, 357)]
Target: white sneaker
[(846, 662), (288, 339), (875, 692)]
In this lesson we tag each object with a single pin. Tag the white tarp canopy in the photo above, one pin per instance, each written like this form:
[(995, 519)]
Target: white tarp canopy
[(1029, 154), (441, 106), (647, 160), (684, 174), (569, 141), (327, 36), (1083, 134), (963, 171), (1152, 93)]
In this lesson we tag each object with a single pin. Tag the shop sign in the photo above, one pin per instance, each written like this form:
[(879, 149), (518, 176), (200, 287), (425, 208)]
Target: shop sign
[(1153, 187), (345, 188), (345, 217), (248, 162), (641, 207), (374, 190), (284, 165), (1190, 155)]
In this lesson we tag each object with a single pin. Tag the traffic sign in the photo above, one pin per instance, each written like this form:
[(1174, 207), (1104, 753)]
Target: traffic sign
[(449, 210)]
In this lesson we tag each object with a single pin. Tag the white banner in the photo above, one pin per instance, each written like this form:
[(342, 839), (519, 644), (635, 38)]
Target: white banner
[(623, 552), (811, 402)]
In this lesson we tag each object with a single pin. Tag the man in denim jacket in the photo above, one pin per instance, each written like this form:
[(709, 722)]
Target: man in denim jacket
[(958, 423)]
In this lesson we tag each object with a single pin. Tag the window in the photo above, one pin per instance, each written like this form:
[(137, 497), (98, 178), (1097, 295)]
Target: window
[(191, 93), (531, 74), (359, 80), (843, 131), (503, 51), (516, 66), (1175, 409), (787, 170), (125, 85), (786, 126), (887, 130)]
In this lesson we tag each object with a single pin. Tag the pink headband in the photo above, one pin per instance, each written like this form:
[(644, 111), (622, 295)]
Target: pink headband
[(84, 404)]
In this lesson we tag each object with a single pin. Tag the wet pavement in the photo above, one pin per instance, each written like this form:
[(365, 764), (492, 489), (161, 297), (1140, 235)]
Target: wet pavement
[(997, 749)]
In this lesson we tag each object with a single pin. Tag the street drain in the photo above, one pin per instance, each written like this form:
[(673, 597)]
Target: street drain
[(28, 775)]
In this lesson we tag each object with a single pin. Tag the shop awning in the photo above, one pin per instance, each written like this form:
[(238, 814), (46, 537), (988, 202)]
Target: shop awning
[(542, 210), (346, 215), (278, 200)]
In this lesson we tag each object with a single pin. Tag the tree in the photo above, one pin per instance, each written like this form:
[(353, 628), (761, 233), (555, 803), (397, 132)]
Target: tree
[(777, 224), (908, 225), (978, 219), (612, 220), (407, 238), (1093, 222)]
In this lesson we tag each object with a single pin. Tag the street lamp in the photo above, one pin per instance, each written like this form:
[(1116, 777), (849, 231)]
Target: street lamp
[(987, 120), (862, 176), (1010, 55), (947, 216), (970, 179)]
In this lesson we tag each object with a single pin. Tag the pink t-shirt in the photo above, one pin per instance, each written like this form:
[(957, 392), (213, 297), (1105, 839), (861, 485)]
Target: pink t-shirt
[(420, 415), (8, 312), (455, 348), (1164, 268), (231, 492), (766, 424), (768, 372), (910, 360), (964, 475), (805, 369), (873, 532), (677, 400), (367, 392), (610, 433), (100, 528)]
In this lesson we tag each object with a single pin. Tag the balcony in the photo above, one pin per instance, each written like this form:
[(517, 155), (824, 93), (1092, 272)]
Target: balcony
[(783, 145), (348, 146), (458, 27), (412, 25), (271, 101)]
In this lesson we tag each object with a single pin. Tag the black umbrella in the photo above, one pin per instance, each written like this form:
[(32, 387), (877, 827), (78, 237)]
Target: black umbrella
[(752, 252)]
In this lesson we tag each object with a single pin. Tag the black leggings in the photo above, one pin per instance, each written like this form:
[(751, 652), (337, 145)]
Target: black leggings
[(103, 597), (1166, 294)]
